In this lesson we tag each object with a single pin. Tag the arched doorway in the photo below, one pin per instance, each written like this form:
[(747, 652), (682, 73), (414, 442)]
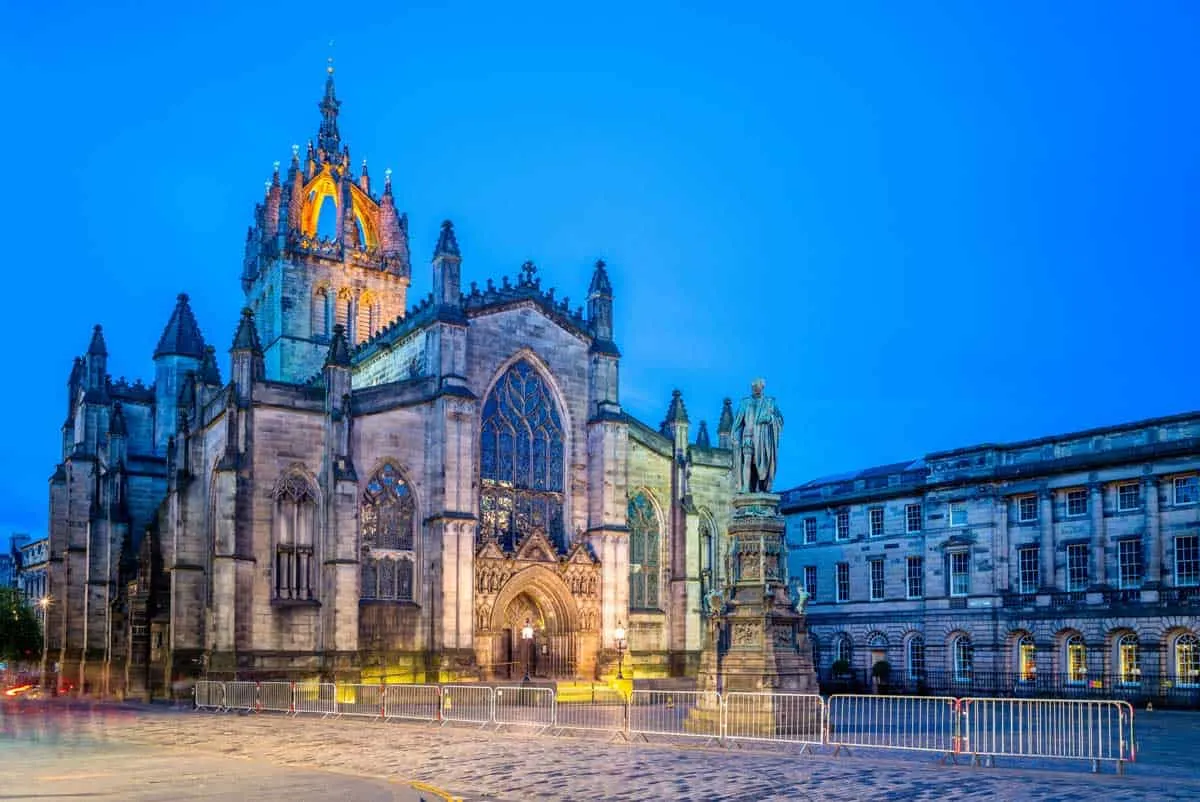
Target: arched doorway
[(536, 596)]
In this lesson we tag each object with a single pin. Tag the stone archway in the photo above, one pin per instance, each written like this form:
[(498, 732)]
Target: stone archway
[(538, 596)]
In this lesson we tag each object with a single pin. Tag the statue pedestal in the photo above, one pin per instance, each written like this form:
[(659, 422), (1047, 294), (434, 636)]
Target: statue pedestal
[(758, 641)]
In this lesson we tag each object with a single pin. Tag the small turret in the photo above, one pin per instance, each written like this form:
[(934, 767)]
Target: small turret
[(702, 439), (97, 361), (247, 355), (600, 304), (210, 372), (337, 368), (180, 351), (447, 265), (725, 424), (676, 424), (118, 433)]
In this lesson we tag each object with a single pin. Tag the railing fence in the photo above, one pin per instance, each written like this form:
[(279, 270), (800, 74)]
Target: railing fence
[(982, 729)]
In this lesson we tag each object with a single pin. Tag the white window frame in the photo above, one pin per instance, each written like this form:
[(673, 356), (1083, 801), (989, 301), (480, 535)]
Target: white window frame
[(875, 515), (914, 657), (1126, 547), (1023, 561), (958, 506), (918, 576), (1074, 549), (1076, 494), (810, 531), (1122, 506), (873, 564), (1128, 660), (954, 592), (841, 579), (843, 650), (841, 532), (1185, 481), (810, 572), (909, 509), (1026, 659), (962, 653), (1021, 500), (1075, 657), (1193, 579), (1185, 660)]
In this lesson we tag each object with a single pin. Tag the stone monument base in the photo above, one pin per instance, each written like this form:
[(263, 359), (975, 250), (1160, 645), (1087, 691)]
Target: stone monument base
[(758, 640)]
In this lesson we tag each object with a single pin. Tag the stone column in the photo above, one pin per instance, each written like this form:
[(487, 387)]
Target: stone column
[(1099, 541), (1046, 521), (1001, 556), (1153, 534)]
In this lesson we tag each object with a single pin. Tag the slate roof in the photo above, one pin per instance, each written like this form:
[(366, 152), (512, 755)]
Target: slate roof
[(182, 335)]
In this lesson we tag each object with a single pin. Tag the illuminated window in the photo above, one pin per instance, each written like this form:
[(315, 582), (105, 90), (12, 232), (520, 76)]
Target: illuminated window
[(1026, 659), (1076, 660), (644, 545), (1187, 660), (521, 460), (1129, 669), (388, 558)]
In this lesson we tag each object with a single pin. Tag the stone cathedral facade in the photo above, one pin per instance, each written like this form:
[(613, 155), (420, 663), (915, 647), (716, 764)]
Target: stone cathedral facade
[(378, 488)]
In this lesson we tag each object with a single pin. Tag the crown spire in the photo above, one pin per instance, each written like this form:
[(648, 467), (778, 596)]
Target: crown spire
[(328, 138)]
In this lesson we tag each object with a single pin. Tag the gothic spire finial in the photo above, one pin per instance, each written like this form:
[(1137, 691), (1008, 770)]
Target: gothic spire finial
[(328, 138), (447, 244)]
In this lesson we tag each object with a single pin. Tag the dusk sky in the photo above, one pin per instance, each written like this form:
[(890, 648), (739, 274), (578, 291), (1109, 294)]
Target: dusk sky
[(927, 225)]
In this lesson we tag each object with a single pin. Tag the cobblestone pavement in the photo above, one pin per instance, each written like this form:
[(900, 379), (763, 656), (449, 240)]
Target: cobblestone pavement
[(286, 757)]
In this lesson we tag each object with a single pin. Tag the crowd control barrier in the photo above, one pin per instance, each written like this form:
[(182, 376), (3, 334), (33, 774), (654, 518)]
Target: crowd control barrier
[(979, 729)]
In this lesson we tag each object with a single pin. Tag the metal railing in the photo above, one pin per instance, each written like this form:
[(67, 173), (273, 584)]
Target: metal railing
[(1095, 731)]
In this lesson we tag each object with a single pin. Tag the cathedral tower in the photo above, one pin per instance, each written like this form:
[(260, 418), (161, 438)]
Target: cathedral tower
[(323, 251)]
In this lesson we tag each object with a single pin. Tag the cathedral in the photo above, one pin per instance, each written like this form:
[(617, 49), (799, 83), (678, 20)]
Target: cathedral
[(380, 488)]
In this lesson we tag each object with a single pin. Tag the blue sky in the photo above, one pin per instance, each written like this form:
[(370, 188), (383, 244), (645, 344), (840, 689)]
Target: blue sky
[(926, 227)]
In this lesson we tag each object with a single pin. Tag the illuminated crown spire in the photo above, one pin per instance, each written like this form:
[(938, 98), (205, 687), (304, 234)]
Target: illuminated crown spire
[(328, 138)]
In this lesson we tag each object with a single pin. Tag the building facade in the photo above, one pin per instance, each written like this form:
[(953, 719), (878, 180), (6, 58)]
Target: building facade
[(32, 580), (380, 489), (1064, 562)]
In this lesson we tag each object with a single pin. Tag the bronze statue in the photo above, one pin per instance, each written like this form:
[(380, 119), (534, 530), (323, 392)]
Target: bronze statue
[(756, 429)]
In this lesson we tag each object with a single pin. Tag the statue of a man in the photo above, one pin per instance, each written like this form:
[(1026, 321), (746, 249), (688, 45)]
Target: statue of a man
[(756, 429)]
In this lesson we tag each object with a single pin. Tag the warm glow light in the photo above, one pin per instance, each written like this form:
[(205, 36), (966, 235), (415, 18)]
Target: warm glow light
[(44, 602), (619, 632)]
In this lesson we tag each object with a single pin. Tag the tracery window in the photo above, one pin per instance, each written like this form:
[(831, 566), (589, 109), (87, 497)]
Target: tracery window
[(386, 514), (295, 523), (521, 460), (644, 560)]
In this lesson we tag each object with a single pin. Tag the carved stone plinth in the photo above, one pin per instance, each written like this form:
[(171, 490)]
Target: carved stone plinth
[(758, 641)]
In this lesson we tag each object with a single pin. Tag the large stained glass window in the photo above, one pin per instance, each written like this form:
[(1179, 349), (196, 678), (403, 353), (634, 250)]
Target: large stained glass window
[(643, 554), (387, 537), (521, 460)]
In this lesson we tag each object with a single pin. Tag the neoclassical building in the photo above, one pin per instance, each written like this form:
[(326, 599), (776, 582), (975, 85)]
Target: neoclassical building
[(377, 488), (1070, 561)]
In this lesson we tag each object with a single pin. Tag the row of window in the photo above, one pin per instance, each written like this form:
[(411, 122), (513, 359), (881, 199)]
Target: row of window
[(1183, 658), (1185, 491), (1130, 570)]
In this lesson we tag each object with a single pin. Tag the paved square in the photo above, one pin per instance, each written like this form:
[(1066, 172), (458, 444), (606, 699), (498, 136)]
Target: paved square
[(159, 754)]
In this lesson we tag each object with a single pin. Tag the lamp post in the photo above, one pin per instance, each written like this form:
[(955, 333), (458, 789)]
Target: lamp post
[(527, 639), (619, 636), (44, 604)]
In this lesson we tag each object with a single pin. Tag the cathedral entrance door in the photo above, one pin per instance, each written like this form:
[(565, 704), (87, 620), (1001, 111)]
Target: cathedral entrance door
[(537, 598)]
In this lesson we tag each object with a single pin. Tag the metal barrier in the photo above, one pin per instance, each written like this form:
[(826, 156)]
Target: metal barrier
[(468, 704), (412, 702), (779, 717), (606, 711), (685, 714), (210, 695), (241, 696), (277, 697), (918, 723), (531, 707), (1093, 731), (1048, 728), (313, 697), (360, 700)]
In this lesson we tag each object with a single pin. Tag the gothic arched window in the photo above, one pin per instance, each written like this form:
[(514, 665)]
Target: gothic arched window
[(295, 521), (521, 460), (322, 306), (708, 559), (643, 554), (386, 515)]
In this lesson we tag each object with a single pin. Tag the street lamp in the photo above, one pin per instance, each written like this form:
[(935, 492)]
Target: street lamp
[(619, 635), (527, 639), (44, 604)]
